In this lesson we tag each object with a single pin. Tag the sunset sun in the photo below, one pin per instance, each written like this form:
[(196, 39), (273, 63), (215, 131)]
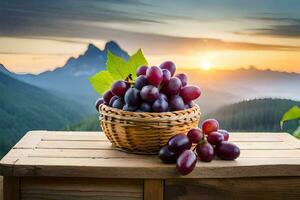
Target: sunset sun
[(205, 65)]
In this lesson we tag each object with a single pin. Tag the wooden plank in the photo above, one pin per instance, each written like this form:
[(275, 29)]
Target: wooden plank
[(30, 140), (153, 189), (74, 145), (11, 188), (80, 189), (1, 187), (271, 188)]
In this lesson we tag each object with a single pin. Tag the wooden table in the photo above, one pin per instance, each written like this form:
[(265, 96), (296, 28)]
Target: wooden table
[(83, 165)]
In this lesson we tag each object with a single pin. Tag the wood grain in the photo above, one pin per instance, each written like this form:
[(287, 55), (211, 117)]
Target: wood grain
[(271, 188), (11, 188), (80, 189), (1, 187), (153, 189)]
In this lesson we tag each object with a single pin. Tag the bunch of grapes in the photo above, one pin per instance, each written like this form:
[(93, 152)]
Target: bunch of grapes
[(210, 142), (154, 90)]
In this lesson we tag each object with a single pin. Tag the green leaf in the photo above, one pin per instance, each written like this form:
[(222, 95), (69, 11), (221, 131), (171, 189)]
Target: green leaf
[(102, 81), (297, 133), (135, 61), (117, 66), (293, 113)]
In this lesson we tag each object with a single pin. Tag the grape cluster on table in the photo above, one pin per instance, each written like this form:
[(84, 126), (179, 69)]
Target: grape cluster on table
[(155, 89), (210, 142)]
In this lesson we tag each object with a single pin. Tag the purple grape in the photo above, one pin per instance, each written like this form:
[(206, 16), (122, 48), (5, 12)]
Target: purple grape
[(186, 162), (107, 96), (176, 103), (145, 107), (166, 155), (205, 151), (112, 100), (98, 103), (132, 97), (178, 143), (209, 126), (141, 70), (166, 77), (149, 93), (195, 135), (129, 108), (154, 75), (183, 78), (170, 66), (140, 82), (119, 88), (173, 87), (215, 138), (163, 96), (118, 103), (160, 105), (225, 134), (189, 93), (227, 151)]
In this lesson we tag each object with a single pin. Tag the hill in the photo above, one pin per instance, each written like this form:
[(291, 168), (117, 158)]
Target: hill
[(24, 107), (251, 115)]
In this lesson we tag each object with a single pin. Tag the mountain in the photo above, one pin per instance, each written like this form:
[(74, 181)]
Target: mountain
[(71, 80), (250, 115), (24, 107)]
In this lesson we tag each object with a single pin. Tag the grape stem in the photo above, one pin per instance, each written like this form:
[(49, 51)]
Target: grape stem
[(129, 79)]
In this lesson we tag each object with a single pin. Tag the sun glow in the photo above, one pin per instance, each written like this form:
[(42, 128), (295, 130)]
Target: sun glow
[(205, 65)]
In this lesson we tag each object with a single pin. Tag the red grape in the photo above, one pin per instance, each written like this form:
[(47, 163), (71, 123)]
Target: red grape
[(173, 87), (227, 151), (190, 93), (205, 151), (176, 103), (170, 66), (107, 96), (129, 108), (160, 105), (166, 155), (141, 70), (154, 75), (98, 103), (119, 88), (183, 78), (112, 100), (210, 125), (178, 143), (225, 134), (140, 82), (195, 135), (149, 93), (132, 97), (166, 77), (186, 162), (145, 107), (215, 138), (118, 103)]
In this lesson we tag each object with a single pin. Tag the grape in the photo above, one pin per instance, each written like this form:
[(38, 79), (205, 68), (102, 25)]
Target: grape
[(173, 87), (145, 107), (190, 93), (118, 103), (154, 75), (188, 105), (119, 88), (107, 96), (132, 97), (166, 77), (205, 151), (178, 143), (140, 82), (210, 125), (227, 151), (186, 162), (163, 96), (183, 78), (98, 103), (215, 138), (129, 108), (176, 103), (160, 105), (141, 70), (225, 134), (170, 66), (149, 93), (166, 155), (195, 135), (112, 100)]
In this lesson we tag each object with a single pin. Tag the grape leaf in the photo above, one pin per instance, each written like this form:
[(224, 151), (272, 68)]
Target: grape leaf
[(117, 66), (293, 113), (135, 61), (102, 81)]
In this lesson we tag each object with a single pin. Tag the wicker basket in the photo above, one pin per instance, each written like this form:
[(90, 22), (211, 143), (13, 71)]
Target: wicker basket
[(143, 132)]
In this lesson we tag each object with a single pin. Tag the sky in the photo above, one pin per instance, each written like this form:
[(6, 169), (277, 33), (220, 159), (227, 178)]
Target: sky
[(40, 35)]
